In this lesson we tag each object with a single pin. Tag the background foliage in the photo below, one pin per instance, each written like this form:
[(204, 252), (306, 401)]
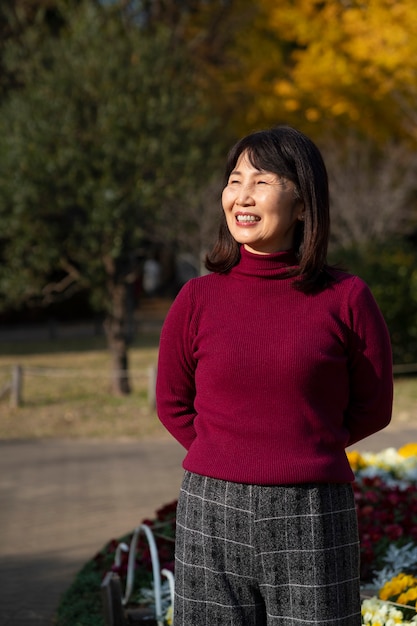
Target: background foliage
[(115, 118), (391, 269)]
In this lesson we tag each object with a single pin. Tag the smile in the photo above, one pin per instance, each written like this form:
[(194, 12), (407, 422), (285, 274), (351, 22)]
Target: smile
[(245, 219)]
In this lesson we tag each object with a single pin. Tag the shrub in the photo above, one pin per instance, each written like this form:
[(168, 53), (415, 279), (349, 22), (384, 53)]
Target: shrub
[(390, 270)]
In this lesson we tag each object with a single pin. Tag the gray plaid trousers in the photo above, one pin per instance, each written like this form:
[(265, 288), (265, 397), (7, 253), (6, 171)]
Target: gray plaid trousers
[(266, 555)]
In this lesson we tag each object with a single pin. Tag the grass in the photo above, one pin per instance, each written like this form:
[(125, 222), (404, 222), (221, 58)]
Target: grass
[(405, 400), (66, 391)]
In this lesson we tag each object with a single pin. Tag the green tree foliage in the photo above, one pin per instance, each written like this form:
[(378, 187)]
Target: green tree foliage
[(390, 270), (107, 133), (16, 17)]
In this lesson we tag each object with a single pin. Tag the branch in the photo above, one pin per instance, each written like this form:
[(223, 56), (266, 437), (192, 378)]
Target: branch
[(54, 289)]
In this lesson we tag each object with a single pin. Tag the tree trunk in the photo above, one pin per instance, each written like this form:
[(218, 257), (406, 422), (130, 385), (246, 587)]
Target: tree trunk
[(116, 326)]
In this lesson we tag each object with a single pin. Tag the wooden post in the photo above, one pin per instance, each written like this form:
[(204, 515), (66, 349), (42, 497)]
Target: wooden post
[(152, 387), (111, 595), (16, 387)]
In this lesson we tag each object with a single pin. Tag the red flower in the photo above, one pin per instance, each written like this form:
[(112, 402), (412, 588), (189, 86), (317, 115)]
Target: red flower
[(394, 531), (385, 515)]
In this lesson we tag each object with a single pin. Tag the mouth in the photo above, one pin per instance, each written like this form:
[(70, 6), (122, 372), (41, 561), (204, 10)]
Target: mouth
[(246, 218)]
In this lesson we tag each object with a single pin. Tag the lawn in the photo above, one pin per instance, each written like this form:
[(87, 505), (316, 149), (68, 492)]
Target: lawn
[(66, 391)]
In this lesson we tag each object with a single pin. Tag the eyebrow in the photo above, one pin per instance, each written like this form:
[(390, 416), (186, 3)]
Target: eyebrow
[(258, 173)]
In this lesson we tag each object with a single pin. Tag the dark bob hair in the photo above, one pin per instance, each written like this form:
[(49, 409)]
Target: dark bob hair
[(288, 153)]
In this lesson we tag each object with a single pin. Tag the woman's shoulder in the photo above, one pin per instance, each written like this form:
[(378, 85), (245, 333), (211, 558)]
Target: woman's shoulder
[(351, 288), (205, 281), (344, 278), (198, 286)]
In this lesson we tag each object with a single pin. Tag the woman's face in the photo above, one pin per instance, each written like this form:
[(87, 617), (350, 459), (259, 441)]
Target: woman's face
[(261, 208)]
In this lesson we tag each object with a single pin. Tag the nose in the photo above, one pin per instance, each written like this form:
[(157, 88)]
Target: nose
[(245, 197)]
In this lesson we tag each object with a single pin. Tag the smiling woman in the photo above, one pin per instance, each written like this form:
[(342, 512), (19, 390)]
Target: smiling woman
[(261, 208), (285, 159), (269, 367)]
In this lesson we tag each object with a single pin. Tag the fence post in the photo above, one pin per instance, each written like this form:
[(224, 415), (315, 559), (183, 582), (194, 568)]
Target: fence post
[(111, 594), (16, 388), (152, 387)]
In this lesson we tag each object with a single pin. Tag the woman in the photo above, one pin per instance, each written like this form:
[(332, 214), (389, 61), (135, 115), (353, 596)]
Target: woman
[(268, 368)]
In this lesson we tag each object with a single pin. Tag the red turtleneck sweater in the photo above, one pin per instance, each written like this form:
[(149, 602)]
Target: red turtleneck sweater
[(264, 384)]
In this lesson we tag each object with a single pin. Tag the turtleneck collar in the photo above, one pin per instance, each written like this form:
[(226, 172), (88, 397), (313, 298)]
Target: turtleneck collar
[(273, 264)]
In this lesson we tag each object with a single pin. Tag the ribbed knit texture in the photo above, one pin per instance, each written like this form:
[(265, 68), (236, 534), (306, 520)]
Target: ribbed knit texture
[(264, 384)]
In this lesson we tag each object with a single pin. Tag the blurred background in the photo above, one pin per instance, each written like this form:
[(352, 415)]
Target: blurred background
[(116, 117), (115, 120)]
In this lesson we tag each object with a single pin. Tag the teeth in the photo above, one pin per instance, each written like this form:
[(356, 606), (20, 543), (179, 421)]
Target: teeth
[(247, 218)]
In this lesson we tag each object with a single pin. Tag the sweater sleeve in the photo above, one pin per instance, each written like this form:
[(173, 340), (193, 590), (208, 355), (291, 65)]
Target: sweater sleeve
[(175, 386), (370, 366)]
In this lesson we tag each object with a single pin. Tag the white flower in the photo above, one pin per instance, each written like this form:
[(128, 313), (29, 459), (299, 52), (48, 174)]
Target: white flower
[(375, 611), (390, 466)]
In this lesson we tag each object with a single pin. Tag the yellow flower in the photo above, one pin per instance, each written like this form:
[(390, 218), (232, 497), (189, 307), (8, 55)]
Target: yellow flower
[(410, 449), (396, 586), (410, 596), (402, 589), (356, 460)]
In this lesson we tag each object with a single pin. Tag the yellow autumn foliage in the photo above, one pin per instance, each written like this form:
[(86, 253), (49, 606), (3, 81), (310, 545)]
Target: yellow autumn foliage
[(349, 60)]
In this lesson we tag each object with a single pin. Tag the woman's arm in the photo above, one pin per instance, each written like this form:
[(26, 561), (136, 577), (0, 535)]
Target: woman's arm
[(175, 386), (370, 366)]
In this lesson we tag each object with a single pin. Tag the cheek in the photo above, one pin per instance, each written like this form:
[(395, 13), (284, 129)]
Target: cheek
[(227, 199)]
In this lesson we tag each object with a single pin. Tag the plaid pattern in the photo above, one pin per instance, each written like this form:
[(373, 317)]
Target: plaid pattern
[(266, 555)]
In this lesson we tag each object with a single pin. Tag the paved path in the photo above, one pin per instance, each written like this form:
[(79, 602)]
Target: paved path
[(61, 501)]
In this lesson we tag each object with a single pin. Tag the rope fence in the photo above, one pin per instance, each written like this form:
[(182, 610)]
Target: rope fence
[(13, 388)]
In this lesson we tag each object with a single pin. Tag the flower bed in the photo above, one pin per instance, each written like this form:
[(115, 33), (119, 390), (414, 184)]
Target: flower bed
[(82, 604), (386, 498)]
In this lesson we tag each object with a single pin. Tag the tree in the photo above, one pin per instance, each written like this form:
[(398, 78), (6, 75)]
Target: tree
[(372, 190), (347, 62), (107, 132), (16, 17), (390, 269)]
